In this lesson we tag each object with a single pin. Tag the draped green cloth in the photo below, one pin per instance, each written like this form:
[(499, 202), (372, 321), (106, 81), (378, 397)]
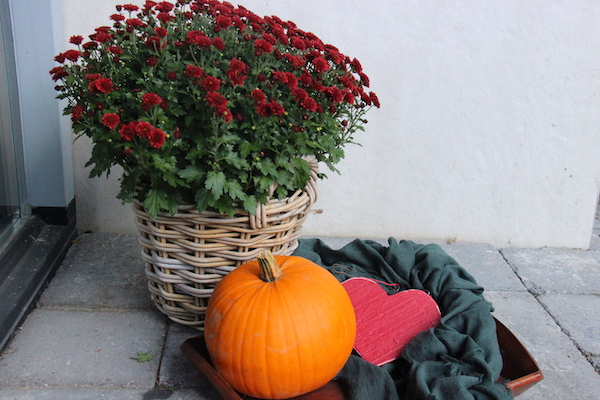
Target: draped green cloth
[(459, 359)]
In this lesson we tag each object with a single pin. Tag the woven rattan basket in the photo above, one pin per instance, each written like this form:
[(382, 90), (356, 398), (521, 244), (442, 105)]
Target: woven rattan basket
[(188, 253)]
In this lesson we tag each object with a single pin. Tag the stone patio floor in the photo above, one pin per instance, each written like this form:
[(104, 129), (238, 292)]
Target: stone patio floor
[(96, 314)]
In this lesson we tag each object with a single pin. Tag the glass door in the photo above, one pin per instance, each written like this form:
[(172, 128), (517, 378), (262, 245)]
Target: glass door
[(13, 204)]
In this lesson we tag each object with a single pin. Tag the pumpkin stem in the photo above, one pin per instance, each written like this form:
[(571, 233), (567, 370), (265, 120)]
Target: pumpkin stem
[(269, 268)]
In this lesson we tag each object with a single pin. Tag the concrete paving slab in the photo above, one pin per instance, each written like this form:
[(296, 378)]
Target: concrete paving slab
[(176, 370), (567, 374), (485, 264), (555, 270), (103, 394), (579, 317), (57, 348), (100, 271), (595, 241)]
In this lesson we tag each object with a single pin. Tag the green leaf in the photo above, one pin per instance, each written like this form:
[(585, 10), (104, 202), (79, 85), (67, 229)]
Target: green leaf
[(192, 174), (215, 181), (174, 181), (267, 167), (234, 189), (142, 357), (165, 164), (155, 201), (204, 199), (250, 204)]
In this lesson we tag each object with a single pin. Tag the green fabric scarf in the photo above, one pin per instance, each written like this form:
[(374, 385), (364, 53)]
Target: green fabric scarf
[(458, 360)]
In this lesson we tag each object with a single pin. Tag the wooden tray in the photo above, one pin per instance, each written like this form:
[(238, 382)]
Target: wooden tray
[(519, 370), (519, 373)]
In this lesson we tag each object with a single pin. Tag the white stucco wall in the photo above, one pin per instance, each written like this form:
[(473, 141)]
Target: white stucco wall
[(489, 129)]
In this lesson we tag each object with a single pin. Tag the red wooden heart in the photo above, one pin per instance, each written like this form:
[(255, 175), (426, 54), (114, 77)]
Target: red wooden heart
[(387, 323)]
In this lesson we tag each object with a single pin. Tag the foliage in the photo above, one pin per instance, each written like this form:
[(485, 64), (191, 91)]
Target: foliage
[(142, 357), (209, 104)]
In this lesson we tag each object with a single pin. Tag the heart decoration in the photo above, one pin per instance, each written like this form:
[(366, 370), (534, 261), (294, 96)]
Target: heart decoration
[(385, 324)]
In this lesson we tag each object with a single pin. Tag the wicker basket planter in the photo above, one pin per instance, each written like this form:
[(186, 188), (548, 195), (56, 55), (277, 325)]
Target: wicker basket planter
[(188, 253)]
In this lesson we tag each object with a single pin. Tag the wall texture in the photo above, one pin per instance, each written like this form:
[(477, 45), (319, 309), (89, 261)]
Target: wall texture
[(489, 128)]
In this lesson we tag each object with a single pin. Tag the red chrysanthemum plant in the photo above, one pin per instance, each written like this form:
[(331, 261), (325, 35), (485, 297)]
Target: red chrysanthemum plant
[(205, 103)]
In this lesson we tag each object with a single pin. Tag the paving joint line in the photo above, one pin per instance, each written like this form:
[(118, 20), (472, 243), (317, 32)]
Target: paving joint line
[(536, 295)]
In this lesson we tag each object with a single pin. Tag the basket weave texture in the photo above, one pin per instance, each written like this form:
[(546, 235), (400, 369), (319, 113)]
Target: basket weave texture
[(187, 254)]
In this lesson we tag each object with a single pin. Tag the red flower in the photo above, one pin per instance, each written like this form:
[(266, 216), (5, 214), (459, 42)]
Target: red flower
[(165, 17), (58, 73), (237, 72), (144, 129), (101, 36), (154, 42), (164, 6), (318, 44), (224, 113), (270, 38), (157, 138), (366, 98), (60, 58), (150, 99), (280, 35), (270, 108), (276, 108), (348, 81), (72, 55), (152, 61), (356, 65), (238, 23), (210, 84), (115, 50), (306, 79), (299, 43), (128, 131), (288, 78), (102, 85), (160, 31), (76, 40), (110, 120), (90, 45), (193, 71), (335, 94), (374, 99), (349, 98), (364, 79), (130, 7), (76, 113), (117, 17), (218, 43), (135, 22), (223, 22), (318, 86), (172, 75), (259, 96), (216, 100), (92, 77), (321, 64), (263, 110), (198, 38), (309, 104), (296, 61), (262, 46), (300, 93)]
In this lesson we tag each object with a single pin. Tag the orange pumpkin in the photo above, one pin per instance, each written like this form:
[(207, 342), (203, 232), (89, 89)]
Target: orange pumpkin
[(279, 327)]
